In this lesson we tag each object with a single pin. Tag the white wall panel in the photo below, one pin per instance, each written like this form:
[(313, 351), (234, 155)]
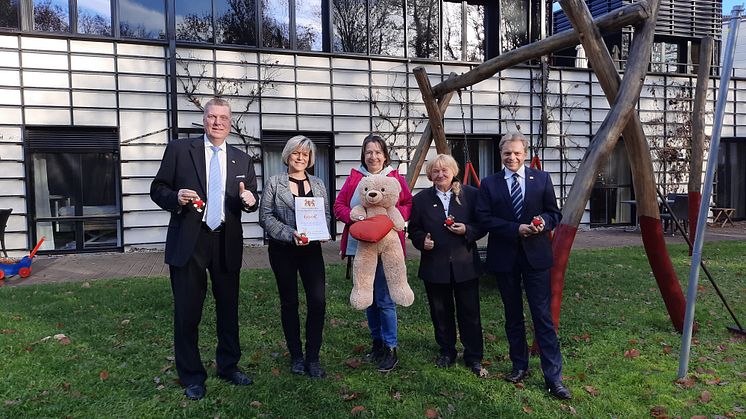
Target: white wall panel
[(143, 83), (11, 169), (10, 116), (45, 79), (94, 99), (142, 101), (314, 107), (44, 61), (8, 41), (42, 116), (10, 97), (313, 76), (95, 117), (141, 66), (315, 123), (46, 44), (94, 81), (9, 59), (138, 185), (10, 78), (142, 152), (136, 123), (279, 122), (141, 50), (308, 91), (147, 218), (311, 61), (10, 151), (236, 57), (12, 187), (90, 63), (136, 236), (92, 47)]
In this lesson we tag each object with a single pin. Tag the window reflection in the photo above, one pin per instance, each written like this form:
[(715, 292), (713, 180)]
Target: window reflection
[(276, 23), (51, 15), (308, 25), (475, 32), (513, 24), (350, 26), (94, 17), (387, 27), (422, 23), (194, 20), (9, 14), (142, 19), (235, 21), (452, 31)]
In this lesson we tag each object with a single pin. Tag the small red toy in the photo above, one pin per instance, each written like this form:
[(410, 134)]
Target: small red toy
[(303, 238), (537, 221), (198, 204), (449, 220)]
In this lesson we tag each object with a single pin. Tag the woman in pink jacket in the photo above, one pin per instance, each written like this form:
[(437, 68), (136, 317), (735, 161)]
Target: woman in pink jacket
[(382, 322)]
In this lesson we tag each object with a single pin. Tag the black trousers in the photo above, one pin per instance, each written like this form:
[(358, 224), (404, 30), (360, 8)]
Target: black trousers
[(287, 261), (537, 284), (466, 295), (189, 286)]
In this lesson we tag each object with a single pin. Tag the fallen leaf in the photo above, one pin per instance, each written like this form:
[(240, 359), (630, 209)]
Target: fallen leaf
[(570, 409), (667, 349), (12, 402), (431, 414), (349, 397), (103, 375), (275, 372), (581, 376), (66, 385), (686, 382), (490, 337), (739, 409), (699, 417), (713, 382), (519, 385), (729, 359), (85, 285), (528, 410), (353, 363), (396, 395), (357, 409), (631, 353), (633, 341), (255, 404), (591, 390), (125, 322), (60, 325), (358, 349), (658, 412), (7, 332), (486, 363), (705, 397)]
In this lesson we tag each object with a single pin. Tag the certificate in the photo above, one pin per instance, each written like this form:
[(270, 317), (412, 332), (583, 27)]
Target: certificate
[(310, 218)]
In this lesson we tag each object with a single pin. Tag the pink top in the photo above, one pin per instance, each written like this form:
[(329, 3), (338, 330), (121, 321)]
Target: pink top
[(342, 205)]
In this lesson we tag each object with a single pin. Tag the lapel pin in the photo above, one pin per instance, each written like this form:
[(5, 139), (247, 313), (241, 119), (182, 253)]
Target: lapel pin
[(435, 205), (234, 162), (531, 177)]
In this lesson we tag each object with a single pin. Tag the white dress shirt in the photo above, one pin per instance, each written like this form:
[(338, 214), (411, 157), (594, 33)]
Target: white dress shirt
[(222, 156), (445, 198), (521, 179)]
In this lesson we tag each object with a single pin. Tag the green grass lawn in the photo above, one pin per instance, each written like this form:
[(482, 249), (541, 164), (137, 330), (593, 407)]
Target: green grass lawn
[(621, 353)]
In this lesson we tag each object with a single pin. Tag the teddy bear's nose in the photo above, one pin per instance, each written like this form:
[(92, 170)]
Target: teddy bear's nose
[(372, 194)]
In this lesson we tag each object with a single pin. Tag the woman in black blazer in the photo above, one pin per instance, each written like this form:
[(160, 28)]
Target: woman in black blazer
[(444, 229)]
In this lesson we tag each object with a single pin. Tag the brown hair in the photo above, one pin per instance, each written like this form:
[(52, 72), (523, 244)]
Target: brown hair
[(373, 138)]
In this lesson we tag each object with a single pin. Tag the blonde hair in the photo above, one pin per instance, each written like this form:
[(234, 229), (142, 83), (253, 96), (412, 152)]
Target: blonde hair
[(445, 161), (302, 143), (513, 136)]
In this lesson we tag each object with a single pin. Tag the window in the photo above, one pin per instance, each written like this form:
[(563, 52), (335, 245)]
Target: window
[(664, 57), (612, 196), (386, 28), (514, 16), (463, 31), (9, 14), (422, 28), (194, 21), (74, 210), (51, 15), (94, 17), (350, 26), (142, 19), (308, 31), (276, 23), (235, 21)]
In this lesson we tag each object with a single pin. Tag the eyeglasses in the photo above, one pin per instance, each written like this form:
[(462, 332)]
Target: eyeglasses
[(223, 119)]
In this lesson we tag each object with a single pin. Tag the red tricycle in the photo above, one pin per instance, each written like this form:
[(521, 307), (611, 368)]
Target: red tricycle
[(22, 267)]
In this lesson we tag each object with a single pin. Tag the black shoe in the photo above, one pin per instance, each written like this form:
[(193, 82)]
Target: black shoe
[(477, 368), (444, 361), (298, 366), (389, 360), (559, 391), (376, 352), (237, 378), (194, 391), (314, 370), (516, 376)]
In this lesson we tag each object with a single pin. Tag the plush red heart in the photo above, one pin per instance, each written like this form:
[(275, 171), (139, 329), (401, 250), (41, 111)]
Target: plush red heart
[(372, 229)]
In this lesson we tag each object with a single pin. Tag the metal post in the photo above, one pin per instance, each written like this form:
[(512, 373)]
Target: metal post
[(691, 293)]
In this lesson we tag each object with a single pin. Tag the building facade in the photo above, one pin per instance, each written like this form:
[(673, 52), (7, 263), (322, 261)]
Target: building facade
[(91, 93)]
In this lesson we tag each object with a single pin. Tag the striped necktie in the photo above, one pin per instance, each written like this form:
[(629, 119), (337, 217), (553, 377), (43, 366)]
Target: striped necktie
[(516, 197), (214, 191)]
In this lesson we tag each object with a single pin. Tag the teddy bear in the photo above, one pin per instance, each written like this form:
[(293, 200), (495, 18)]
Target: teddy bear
[(378, 196)]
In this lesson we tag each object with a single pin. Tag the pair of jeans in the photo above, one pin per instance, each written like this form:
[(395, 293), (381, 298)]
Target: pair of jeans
[(382, 313)]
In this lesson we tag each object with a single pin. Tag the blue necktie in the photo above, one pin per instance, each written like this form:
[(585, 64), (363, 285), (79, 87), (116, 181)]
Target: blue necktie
[(215, 191), (516, 197)]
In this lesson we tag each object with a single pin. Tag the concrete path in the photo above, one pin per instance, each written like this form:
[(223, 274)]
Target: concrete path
[(87, 267)]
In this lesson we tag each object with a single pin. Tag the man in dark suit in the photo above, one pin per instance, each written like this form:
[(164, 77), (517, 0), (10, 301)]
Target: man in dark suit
[(519, 252), (207, 238)]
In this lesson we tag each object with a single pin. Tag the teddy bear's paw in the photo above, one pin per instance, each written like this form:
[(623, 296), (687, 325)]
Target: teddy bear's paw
[(360, 300), (403, 296)]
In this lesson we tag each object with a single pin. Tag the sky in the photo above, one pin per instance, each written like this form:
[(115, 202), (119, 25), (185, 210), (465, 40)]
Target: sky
[(728, 5)]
